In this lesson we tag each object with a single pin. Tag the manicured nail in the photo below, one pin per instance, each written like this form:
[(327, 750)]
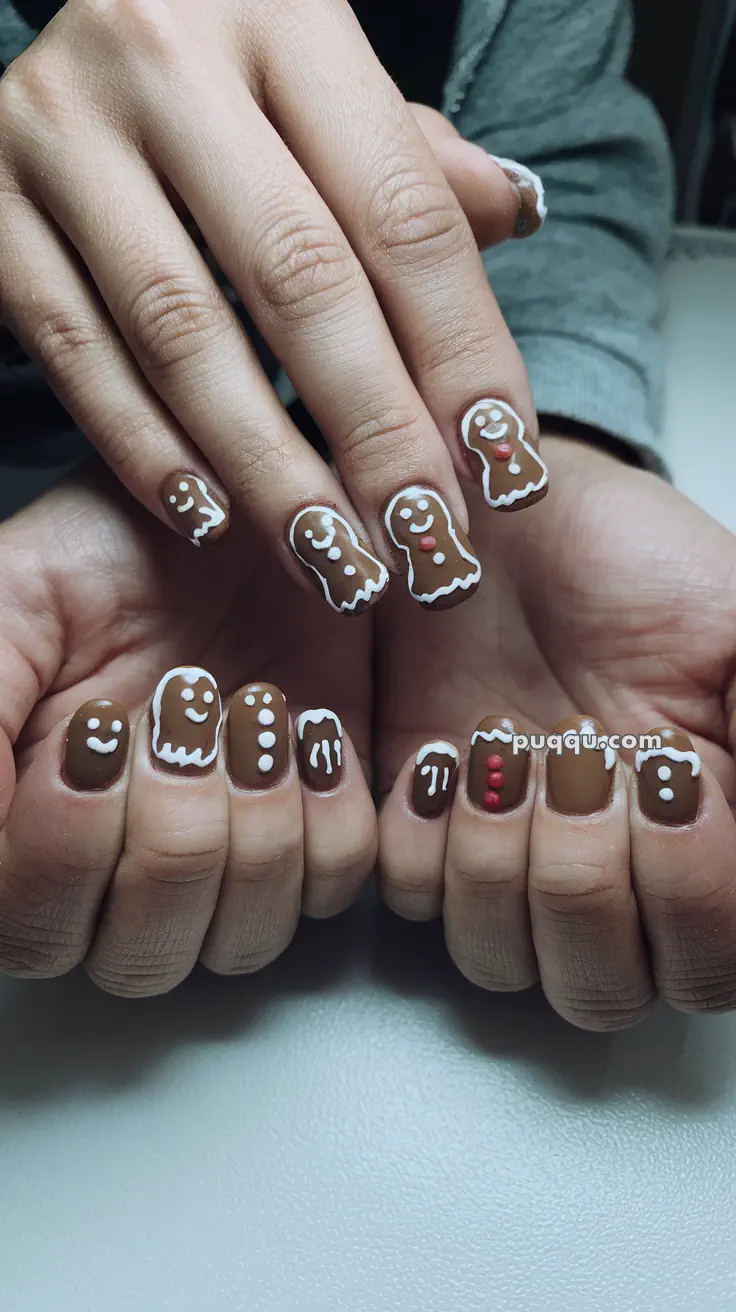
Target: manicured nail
[(187, 717), (349, 577), (669, 779), (319, 748), (580, 775), (497, 776), (443, 568), (529, 185), (505, 464), (257, 736), (96, 746), (434, 775), (194, 508)]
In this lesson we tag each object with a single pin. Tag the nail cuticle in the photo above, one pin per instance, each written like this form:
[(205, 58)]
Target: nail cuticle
[(510, 471), (443, 569)]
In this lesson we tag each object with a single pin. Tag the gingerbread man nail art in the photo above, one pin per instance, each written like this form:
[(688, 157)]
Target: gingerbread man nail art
[(187, 718), (258, 736), (434, 774), (512, 474), (443, 570), (669, 778), (96, 745), (193, 509), (497, 776), (349, 576), (533, 208)]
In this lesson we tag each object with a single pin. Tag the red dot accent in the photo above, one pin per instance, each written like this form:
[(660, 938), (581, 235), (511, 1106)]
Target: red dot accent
[(491, 800), (427, 543), (495, 779), (503, 451), (495, 762)]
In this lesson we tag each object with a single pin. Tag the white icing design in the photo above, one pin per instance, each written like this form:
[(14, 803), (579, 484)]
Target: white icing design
[(333, 553), (425, 527), (439, 558), (212, 514), (666, 794), (518, 493), (513, 468), (526, 175), (208, 697), (664, 773), (267, 739), (197, 717), (672, 754), (116, 726), (370, 587), (93, 723), (467, 581), (191, 674), (267, 699), (250, 699), (103, 749), (329, 745), (349, 570), (441, 748), (490, 736), (265, 763), (405, 512), (187, 695), (266, 716)]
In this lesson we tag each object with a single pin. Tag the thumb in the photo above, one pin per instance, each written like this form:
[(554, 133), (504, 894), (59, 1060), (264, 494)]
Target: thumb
[(500, 200)]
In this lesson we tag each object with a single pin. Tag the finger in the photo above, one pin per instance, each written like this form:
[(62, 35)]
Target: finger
[(683, 840), (587, 934), (61, 841), (486, 907), (340, 830), (412, 832), (164, 890), (260, 896), (387, 190)]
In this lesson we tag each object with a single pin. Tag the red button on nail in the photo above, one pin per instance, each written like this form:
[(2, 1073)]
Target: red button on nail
[(427, 543), (495, 779), (491, 800), (495, 762), (503, 451)]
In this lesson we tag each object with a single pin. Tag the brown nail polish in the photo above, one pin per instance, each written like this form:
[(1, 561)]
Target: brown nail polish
[(443, 569), (580, 775), (497, 776), (669, 778), (195, 509), (533, 208), (186, 715), (502, 459), (96, 746), (349, 577), (319, 749), (434, 775), (257, 736)]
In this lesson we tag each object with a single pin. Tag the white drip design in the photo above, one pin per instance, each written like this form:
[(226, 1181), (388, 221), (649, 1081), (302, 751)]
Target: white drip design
[(329, 745), (191, 674)]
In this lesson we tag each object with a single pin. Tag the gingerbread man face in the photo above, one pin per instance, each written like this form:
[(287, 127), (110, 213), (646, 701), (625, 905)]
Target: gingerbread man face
[(192, 506), (96, 744), (187, 716), (669, 779), (348, 574), (442, 566), (512, 474)]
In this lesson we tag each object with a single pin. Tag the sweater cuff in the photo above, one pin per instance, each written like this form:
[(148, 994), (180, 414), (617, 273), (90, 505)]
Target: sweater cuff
[(574, 379)]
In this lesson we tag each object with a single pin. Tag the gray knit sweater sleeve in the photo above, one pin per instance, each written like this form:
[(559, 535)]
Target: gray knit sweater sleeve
[(547, 87)]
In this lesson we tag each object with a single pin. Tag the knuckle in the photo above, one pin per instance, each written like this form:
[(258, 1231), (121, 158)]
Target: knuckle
[(415, 222), (392, 440), (302, 271), (61, 340), (144, 26), (34, 87), (172, 321)]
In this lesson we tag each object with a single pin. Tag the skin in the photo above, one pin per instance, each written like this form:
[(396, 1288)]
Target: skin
[(348, 246), (637, 633)]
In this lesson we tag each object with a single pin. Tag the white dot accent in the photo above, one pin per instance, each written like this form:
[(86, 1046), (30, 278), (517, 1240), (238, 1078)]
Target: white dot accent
[(267, 699), (480, 420), (266, 717), (208, 697), (426, 769), (187, 694), (116, 726), (172, 499), (265, 763), (496, 415), (183, 487), (349, 570), (250, 699), (93, 723), (514, 468), (666, 794), (334, 553), (308, 533), (405, 512), (664, 773), (423, 504), (327, 521), (439, 558), (267, 739)]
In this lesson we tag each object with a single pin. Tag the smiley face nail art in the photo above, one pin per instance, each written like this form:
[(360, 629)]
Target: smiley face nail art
[(349, 576), (434, 774), (96, 745), (258, 736), (193, 508), (511, 473), (669, 779), (187, 717), (443, 569)]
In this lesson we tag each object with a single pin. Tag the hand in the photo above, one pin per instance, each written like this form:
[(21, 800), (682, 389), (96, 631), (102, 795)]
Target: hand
[(615, 601), (279, 134), (139, 856)]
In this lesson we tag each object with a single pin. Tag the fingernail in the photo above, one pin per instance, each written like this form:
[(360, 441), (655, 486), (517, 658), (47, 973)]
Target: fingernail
[(194, 508), (580, 776), (96, 746), (497, 775), (533, 209), (186, 714), (443, 569), (503, 461), (319, 749), (349, 577), (434, 775), (669, 778), (257, 736)]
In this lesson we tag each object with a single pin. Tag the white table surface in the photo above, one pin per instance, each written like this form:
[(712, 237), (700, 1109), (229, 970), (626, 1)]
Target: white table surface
[(358, 1129)]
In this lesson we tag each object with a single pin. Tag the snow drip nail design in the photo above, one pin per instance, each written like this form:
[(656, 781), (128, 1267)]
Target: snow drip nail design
[(511, 472), (319, 747), (443, 568), (96, 746), (533, 207), (497, 776), (349, 576), (669, 779), (193, 508), (435, 769), (187, 718), (580, 777), (258, 736)]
